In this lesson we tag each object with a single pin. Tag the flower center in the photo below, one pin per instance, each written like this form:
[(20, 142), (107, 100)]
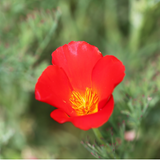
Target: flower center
[(87, 104)]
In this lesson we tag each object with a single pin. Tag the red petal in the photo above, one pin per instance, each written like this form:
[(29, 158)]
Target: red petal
[(59, 116), (89, 121), (77, 59), (53, 87), (107, 73)]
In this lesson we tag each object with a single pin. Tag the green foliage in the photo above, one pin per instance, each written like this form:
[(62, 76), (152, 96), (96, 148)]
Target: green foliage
[(30, 30)]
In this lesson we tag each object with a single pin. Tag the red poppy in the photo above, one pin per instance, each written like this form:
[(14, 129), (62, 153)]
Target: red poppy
[(80, 83)]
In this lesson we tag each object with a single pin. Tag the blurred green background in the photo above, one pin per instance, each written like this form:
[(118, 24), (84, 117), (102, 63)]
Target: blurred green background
[(30, 30)]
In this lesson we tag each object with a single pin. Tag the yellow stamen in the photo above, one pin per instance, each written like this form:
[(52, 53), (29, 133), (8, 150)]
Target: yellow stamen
[(83, 105)]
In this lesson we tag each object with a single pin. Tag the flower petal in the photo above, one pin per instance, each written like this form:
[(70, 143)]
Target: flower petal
[(77, 60), (89, 121), (53, 87), (60, 116), (107, 73)]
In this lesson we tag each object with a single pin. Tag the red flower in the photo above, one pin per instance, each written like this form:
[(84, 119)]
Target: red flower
[(80, 84)]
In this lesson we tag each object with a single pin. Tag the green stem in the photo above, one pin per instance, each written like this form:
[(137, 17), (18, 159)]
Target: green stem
[(136, 17), (113, 33), (49, 35), (136, 136), (98, 135)]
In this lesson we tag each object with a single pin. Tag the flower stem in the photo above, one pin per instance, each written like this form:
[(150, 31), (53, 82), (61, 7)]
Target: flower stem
[(98, 135)]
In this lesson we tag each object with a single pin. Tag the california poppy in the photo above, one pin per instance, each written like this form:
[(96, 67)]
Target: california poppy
[(80, 83)]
